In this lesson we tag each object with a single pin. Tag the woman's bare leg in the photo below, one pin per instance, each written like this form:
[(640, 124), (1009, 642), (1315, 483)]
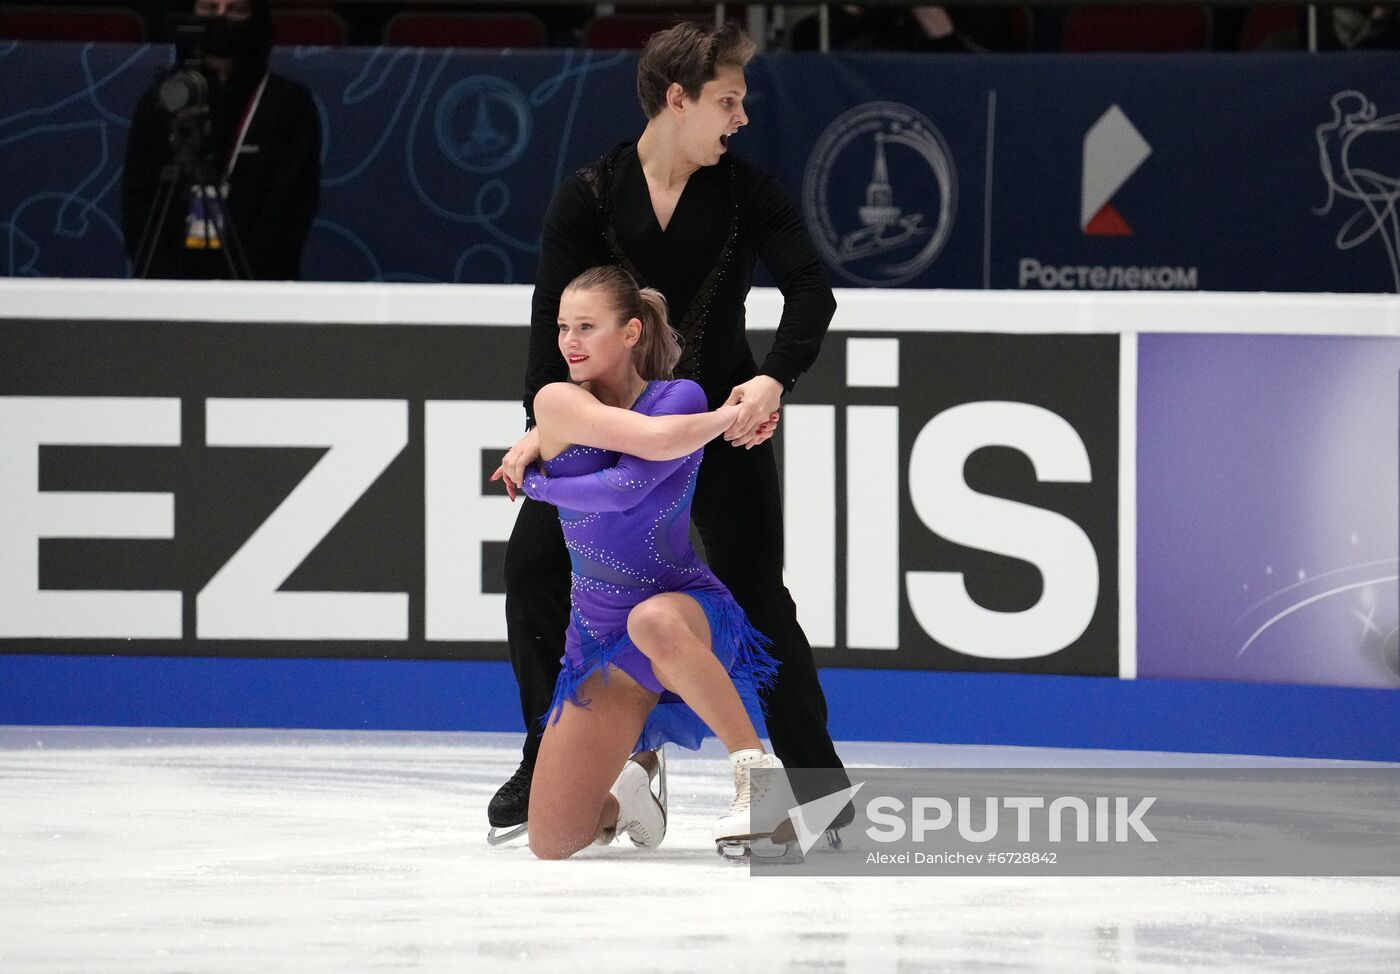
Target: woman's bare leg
[(580, 757), (671, 630)]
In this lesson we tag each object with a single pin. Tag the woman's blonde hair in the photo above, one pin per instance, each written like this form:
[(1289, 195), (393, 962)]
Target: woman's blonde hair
[(659, 349)]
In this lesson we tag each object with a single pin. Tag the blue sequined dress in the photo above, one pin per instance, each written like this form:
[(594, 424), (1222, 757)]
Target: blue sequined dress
[(626, 522)]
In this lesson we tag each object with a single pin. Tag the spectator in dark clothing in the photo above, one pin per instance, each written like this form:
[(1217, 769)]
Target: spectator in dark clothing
[(1342, 29), (1366, 28), (920, 28), (262, 152)]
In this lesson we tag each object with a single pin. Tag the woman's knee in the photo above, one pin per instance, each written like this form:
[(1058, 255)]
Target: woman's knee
[(657, 628), (559, 836), (550, 847)]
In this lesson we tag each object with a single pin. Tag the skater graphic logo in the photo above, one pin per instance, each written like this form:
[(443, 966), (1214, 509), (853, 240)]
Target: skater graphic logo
[(1355, 147), (880, 191)]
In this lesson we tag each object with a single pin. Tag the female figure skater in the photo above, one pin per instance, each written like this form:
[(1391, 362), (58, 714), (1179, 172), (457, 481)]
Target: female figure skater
[(657, 648), (684, 215)]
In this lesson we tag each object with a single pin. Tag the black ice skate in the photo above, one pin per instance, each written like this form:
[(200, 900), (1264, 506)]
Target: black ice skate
[(509, 810)]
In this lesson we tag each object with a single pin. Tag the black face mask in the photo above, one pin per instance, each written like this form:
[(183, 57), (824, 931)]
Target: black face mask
[(227, 38)]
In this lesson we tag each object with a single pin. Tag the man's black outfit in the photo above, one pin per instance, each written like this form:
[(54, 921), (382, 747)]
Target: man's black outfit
[(728, 217), (273, 175)]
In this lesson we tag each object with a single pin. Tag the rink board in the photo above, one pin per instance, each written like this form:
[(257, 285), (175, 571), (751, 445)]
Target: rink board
[(1088, 489), (865, 705)]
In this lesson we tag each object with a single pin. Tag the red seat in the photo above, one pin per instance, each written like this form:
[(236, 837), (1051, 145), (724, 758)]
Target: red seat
[(311, 28), (1021, 27), (1136, 29), (71, 24), (628, 31), (464, 30), (1262, 23)]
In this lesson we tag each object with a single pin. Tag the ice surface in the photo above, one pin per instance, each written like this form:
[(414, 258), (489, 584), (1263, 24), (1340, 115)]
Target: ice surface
[(185, 850)]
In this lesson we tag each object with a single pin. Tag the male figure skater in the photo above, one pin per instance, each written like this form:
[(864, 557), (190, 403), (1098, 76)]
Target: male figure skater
[(685, 217)]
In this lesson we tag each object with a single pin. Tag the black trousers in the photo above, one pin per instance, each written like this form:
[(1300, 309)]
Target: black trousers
[(738, 512)]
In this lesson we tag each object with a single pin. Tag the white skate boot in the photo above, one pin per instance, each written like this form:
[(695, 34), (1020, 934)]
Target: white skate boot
[(641, 812), (737, 835)]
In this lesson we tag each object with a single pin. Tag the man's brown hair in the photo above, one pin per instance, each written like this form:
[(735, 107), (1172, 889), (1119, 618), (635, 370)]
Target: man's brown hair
[(687, 54)]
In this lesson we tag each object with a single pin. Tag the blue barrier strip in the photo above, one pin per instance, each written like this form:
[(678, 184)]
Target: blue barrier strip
[(896, 705), (1095, 712)]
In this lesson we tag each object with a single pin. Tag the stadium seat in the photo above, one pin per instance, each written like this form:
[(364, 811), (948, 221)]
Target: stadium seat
[(464, 30), (312, 28), (1261, 23), (1137, 28), (71, 24), (1021, 28), (628, 31)]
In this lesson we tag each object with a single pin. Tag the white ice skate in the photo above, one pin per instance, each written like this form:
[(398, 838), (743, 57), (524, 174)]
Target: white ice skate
[(641, 811), (737, 835)]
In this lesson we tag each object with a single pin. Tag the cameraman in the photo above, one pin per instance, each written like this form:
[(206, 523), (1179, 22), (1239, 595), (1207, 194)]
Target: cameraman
[(260, 153)]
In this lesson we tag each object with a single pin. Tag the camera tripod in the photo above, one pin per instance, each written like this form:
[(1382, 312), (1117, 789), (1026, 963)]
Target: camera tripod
[(192, 166)]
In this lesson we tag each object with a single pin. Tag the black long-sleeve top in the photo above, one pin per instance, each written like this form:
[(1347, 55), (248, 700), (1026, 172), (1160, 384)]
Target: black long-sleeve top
[(273, 191), (729, 216)]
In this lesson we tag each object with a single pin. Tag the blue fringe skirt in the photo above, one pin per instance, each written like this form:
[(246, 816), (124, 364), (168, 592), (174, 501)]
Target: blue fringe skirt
[(734, 640)]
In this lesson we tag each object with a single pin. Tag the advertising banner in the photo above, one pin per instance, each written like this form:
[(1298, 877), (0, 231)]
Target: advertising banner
[(206, 488), (233, 489), (1267, 499), (952, 501), (267, 505), (1036, 172)]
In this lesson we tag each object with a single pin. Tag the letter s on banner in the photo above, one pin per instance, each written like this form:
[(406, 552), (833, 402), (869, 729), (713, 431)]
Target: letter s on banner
[(1057, 546)]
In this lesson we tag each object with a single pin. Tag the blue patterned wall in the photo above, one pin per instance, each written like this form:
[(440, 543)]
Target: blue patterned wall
[(1223, 172)]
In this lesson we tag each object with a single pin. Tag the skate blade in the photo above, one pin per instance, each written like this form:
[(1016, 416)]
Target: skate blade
[(507, 834), (661, 777), (774, 850), (759, 849)]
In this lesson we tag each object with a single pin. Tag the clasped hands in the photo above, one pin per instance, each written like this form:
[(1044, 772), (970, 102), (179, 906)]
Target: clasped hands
[(758, 402), (757, 420)]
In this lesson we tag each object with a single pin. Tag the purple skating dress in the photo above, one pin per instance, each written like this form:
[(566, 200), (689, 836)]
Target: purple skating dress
[(626, 523)]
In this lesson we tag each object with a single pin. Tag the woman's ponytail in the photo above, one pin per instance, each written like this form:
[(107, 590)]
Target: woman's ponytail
[(659, 349)]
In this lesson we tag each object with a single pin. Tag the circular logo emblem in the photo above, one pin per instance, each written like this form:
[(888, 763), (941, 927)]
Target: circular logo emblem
[(881, 193), (483, 124)]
